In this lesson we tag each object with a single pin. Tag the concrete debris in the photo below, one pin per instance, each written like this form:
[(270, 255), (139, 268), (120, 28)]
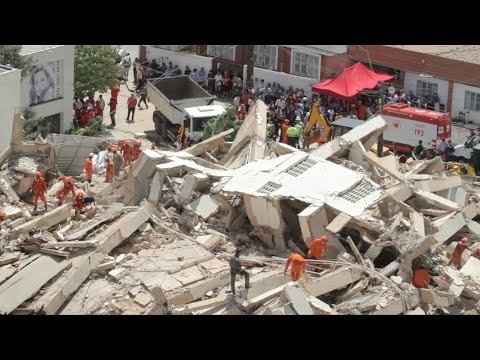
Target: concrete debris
[(204, 207)]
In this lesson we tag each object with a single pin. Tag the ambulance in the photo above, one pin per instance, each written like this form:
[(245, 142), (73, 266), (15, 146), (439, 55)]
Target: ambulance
[(407, 125)]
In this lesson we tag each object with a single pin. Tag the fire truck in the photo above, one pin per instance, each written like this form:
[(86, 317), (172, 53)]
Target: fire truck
[(407, 125)]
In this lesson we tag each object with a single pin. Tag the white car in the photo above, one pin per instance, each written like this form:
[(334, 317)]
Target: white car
[(463, 152)]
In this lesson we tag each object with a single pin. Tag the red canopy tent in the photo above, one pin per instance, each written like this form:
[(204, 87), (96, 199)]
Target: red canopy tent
[(350, 81)]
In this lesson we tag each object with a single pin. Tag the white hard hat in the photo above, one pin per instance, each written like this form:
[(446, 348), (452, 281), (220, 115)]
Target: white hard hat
[(305, 99), (298, 118), (91, 155)]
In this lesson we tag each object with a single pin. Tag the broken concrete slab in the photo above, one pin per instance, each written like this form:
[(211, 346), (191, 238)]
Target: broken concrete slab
[(319, 307), (418, 223), (156, 188), (357, 254), (71, 244), (208, 144), (400, 192), (338, 223), (204, 206), (470, 211), (91, 295), (26, 282), (106, 266), (437, 298), (354, 290), (9, 258), (210, 242), (189, 276), (449, 228), (337, 279), (8, 191), (214, 266), (391, 268), (437, 201), (440, 184), (143, 299), (385, 167), (298, 299), (373, 252), (474, 227), (472, 269), (45, 221), (434, 166), (397, 307), (6, 272), (416, 311), (61, 253)]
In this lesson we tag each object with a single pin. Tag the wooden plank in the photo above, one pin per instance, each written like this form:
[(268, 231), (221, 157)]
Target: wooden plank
[(338, 223), (110, 214), (355, 250), (71, 244), (26, 282), (432, 212), (55, 252), (208, 144)]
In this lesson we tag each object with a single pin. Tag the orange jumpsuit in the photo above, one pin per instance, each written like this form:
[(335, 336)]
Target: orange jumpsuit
[(67, 188), (2, 217), (420, 277), (110, 172), (284, 133), (89, 169), (317, 249), (127, 154), (298, 265), (78, 203), (456, 258), (39, 188), (136, 151)]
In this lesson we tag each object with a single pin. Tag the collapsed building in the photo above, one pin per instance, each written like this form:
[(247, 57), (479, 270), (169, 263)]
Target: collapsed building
[(161, 235)]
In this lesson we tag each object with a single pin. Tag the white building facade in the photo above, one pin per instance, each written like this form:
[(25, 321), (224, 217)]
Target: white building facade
[(10, 95)]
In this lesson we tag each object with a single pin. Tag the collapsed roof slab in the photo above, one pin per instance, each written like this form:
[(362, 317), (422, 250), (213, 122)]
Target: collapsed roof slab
[(361, 133)]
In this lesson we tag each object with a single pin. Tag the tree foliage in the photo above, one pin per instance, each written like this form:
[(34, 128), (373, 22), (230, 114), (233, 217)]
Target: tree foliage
[(10, 56), (95, 69), (30, 124), (90, 130), (221, 123)]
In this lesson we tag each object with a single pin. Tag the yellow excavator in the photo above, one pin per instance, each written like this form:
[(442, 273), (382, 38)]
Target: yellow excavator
[(317, 126)]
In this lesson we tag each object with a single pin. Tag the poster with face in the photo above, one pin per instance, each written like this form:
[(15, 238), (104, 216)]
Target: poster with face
[(45, 83)]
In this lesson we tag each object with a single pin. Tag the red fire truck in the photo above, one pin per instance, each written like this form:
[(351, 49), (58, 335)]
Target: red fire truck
[(407, 125)]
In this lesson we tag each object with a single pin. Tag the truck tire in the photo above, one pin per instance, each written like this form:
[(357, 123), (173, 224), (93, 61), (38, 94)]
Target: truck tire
[(164, 130), (160, 124), (462, 160)]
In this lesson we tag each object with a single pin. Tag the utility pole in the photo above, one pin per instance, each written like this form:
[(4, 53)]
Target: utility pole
[(380, 103)]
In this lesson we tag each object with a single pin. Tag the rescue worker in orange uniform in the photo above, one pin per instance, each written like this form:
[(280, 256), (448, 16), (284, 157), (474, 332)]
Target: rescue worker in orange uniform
[(298, 266), (78, 204), (137, 149), (110, 170), (39, 188), (89, 167), (317, 249), (456, 258), (68, 184), (284, 131), (127, 149), (421, 278), (2, 217)]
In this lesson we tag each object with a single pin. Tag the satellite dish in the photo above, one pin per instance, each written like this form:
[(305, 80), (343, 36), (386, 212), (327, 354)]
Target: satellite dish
[(391, 90)]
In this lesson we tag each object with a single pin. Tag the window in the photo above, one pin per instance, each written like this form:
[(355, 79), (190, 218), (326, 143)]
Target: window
[(301, 167), (224, 51), (362, 190), (269, 187), (425, 89), (265, 55), (306, 65), (472, 101)]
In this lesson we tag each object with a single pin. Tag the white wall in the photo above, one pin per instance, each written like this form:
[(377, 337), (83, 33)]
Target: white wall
[(178, 58), (64, 53), (9, 101), (411, 84), (458, 101), (284, 79)]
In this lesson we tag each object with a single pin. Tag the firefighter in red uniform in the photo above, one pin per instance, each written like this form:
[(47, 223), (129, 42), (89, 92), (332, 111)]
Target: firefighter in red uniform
[(39, 188), (115, 90), (78, 204), (68, 184)]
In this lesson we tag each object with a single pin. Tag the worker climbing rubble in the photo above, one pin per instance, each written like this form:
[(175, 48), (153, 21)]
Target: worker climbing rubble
[(39, 187), (456, 258), (89, 168), (421, 277), (110, 170), (127, 149), (2, 217), (78, 203), (68, 186), (317, 249), (298, 266), (137, 149), (236, 268)]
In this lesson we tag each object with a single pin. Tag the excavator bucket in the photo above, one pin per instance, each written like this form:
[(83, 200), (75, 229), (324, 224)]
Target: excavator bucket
[(317, 126)]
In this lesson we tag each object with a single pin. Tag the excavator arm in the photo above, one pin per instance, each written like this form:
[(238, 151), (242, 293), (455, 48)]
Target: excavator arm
[(317, 126)]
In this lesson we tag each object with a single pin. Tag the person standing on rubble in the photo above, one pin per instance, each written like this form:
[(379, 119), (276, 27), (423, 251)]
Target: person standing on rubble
[(39, 188), (236, 268), (68, 184), (137, 149), (110, 170), (89, 168), (3, 214), (456, 258), (421, 277), (127, 149), (317, 249), (117, 161), (298, 266), (284, 131)]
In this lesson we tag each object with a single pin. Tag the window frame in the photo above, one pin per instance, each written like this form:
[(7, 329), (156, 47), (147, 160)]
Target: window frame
[(212, 50), (273, 53), (474, 101), (299, 72)]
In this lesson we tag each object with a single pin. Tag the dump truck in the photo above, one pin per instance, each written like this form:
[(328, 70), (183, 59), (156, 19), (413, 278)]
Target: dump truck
[(180, 100)]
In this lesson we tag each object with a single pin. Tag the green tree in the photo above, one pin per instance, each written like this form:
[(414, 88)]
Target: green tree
[(95, 69), (10, 56), (221, 123)]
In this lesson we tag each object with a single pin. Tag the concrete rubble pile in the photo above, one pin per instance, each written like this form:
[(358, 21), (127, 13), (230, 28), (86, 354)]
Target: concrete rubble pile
[(161, 236)]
